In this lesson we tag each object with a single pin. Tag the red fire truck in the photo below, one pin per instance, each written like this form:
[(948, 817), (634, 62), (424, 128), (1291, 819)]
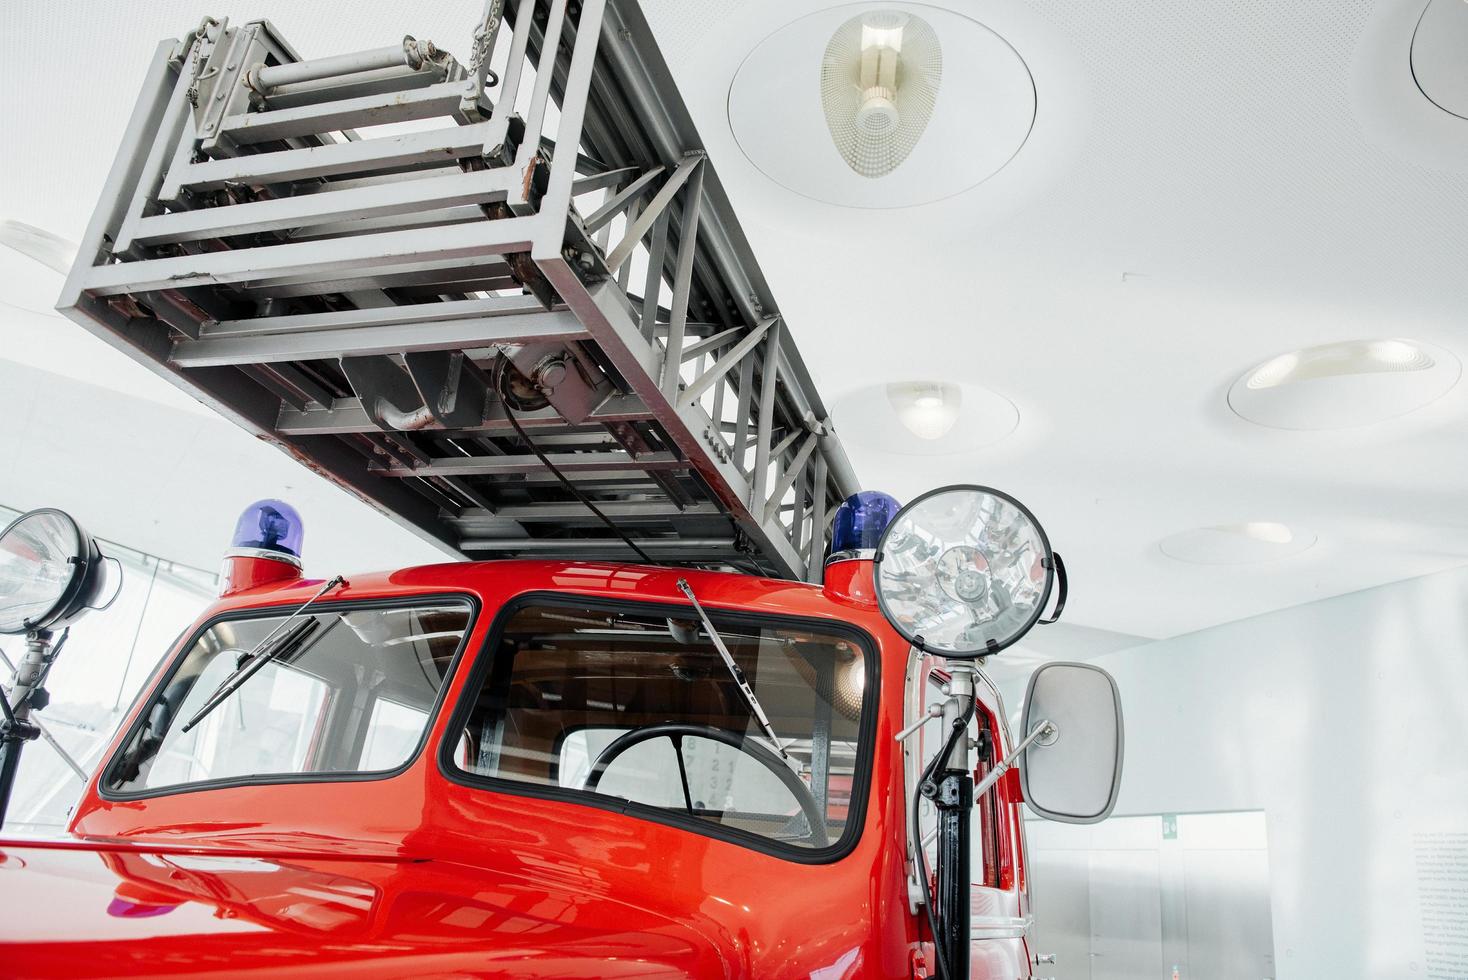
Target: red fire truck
[(696, 705)]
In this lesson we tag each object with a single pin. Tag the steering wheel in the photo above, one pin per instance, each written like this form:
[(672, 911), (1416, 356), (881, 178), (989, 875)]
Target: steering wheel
[(676, 731)]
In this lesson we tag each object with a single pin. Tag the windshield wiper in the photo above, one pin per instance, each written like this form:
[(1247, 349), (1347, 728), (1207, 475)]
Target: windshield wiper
[(252, 662), (734, 669)]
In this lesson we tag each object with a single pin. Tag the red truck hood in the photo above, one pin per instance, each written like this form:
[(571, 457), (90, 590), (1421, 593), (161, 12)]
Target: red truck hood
[(147, 910)]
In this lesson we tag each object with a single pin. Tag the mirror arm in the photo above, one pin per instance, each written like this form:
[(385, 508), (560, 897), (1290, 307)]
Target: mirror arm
[(933, 711), (1044, 730)]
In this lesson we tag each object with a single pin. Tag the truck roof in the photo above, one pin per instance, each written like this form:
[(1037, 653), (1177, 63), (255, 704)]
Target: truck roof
[(497, 581)]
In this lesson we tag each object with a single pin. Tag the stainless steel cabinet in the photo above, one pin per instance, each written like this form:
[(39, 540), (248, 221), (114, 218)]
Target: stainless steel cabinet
[(1141, 897)]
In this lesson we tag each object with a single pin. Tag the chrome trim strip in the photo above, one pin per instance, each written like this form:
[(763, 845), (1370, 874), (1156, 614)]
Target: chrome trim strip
[(999, 926), (263, 553)]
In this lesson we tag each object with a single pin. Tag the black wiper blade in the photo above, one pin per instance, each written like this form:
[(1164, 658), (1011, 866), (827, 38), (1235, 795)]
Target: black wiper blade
[(243, 661), (288, 643), (735, 670), (261, 655)]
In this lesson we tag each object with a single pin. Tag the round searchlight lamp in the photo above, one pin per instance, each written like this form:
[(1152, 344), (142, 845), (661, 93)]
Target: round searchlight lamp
[(965, 571), (51, 571)]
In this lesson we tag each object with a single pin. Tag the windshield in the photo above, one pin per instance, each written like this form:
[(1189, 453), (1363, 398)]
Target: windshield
[(638, 706), (353, 695)]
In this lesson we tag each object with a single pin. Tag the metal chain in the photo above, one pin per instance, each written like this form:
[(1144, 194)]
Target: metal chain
[(201, 34), (484, 35)]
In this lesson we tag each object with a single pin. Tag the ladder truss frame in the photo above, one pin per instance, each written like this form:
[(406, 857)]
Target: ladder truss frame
[(348, 296)]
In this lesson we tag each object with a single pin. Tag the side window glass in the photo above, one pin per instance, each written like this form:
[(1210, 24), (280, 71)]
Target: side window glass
[(392, 731)]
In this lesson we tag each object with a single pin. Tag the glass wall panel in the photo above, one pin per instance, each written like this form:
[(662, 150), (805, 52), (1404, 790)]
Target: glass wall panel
[(108, 656)]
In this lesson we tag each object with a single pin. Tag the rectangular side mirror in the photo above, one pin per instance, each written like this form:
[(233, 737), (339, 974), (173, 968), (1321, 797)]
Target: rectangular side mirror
[(1072, 772)]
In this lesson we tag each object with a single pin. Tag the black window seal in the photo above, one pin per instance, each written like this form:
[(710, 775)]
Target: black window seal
[(160, 683), (861, 779)]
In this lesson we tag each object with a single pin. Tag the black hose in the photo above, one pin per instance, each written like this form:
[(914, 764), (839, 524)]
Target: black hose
[(503, 386), (920, 859)]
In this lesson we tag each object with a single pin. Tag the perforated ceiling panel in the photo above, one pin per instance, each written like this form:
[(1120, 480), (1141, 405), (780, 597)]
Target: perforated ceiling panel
[(683, 25)]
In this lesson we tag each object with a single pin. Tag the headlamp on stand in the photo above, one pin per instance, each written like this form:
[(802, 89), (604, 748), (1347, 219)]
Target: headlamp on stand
[(961, 573), (51, 573)]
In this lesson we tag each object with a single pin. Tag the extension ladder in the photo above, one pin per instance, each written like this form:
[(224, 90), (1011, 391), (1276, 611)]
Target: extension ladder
[(478, 296)]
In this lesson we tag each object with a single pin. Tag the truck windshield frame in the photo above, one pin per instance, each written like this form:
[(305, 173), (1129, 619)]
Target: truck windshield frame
[(152, 695), (484, 700)]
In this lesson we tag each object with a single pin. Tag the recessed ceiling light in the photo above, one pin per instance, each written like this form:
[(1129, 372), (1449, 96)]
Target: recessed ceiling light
[(1237, 544), (899, 141), (1337, 386), (1437, 55), (924, 418), (929, 409)]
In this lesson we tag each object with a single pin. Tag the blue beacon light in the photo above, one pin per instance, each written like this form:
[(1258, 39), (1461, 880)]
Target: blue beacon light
[(268, 529), (265, 549), (859, 523)]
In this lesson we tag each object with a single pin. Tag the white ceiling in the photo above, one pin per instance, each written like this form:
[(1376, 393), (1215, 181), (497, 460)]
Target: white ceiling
[(1206, 185)]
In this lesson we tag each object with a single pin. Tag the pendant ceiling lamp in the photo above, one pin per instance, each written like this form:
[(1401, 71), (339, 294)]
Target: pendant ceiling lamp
[(879, 84)]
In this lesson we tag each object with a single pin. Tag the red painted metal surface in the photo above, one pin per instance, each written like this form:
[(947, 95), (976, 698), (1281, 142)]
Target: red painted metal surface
[(852, 580), (415, 874), (243, 573)]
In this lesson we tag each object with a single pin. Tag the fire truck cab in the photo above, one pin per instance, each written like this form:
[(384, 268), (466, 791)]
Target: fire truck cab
[(537, 768)]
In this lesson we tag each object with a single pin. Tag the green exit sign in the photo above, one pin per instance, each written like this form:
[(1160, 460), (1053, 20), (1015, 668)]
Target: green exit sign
[(1169, 826)]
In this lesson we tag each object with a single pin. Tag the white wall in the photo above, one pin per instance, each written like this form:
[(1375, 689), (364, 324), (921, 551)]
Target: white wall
[(137, 460), (171, 481), (1346, 721)]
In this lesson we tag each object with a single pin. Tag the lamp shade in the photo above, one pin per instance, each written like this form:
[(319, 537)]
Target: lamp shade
[(50, 571)]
